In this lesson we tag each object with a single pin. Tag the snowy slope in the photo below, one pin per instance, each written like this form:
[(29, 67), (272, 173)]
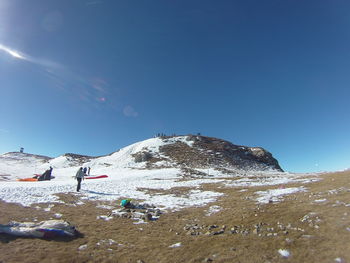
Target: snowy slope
[(20, 165), (127, 178)]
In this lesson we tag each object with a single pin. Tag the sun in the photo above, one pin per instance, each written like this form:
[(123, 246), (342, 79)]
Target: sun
[(11, 52)]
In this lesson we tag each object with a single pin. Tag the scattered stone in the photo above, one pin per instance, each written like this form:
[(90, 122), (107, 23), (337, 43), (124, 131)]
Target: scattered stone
[(219, 232), (141, 212), (82, 247), (284, 253), (140, 261), (57, 215), (175, 245), (207, 260), (148, 217), (245, 232)]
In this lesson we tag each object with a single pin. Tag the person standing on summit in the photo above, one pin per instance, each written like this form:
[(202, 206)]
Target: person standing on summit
[(80, 176)]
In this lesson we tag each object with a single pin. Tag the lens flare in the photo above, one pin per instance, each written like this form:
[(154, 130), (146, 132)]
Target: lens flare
[(12, 52)]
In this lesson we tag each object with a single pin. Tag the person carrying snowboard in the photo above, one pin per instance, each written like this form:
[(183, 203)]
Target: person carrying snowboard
[(80, 176)]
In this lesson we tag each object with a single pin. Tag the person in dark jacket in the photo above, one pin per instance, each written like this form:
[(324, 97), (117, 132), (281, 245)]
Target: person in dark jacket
[(46, 175), (80, 176)]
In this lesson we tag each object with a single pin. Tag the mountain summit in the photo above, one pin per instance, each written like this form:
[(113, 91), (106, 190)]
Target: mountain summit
[(194, 151), (191, 154)]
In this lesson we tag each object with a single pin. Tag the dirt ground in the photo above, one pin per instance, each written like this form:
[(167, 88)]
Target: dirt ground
[(313, 226)]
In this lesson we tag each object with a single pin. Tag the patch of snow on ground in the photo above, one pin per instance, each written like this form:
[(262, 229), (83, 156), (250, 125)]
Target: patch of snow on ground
[(106, 218), (213, 210), (320, 200), (57, 215), (261, 179), (82, 247), (105, 206), (214, 173), (275, 195), (175, 245), (284, 253)]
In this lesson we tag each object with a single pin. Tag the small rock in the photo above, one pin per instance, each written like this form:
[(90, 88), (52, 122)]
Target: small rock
[(82, 247), (175, 245), (140, 261), (207, 260), (148, 217), (284, 253), (219, 232)]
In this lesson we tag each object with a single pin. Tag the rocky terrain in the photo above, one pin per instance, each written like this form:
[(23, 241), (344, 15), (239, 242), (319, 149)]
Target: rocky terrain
[(308, 226)]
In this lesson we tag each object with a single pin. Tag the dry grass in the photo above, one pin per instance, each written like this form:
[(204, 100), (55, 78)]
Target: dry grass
[(308, 241)]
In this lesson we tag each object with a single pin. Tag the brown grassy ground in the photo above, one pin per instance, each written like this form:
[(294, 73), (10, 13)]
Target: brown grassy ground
[(322, 237)]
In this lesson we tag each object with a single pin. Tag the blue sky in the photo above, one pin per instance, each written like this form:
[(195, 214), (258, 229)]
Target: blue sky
[(92, 76)]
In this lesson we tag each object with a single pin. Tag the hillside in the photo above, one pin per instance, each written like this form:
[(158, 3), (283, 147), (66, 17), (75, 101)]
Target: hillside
[(190, 154)]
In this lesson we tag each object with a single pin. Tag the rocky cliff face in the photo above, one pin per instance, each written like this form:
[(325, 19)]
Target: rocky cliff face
[(203, 152)]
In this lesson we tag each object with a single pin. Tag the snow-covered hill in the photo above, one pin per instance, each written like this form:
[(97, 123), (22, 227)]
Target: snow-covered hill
[(191, 154), (157, 163)]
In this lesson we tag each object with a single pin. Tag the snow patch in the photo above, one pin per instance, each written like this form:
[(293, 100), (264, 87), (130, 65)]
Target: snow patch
[(275, 195), (57, 215), (320, 200), (213, 210), (175, 245), (284, 253), (82, 247)]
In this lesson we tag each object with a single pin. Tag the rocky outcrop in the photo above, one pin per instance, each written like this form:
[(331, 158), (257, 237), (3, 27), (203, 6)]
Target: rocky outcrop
[(202, 151)]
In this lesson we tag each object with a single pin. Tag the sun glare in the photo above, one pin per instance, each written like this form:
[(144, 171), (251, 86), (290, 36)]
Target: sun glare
[(11, 52)]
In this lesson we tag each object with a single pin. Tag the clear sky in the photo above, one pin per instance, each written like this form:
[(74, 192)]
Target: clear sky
[(92, 76)]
